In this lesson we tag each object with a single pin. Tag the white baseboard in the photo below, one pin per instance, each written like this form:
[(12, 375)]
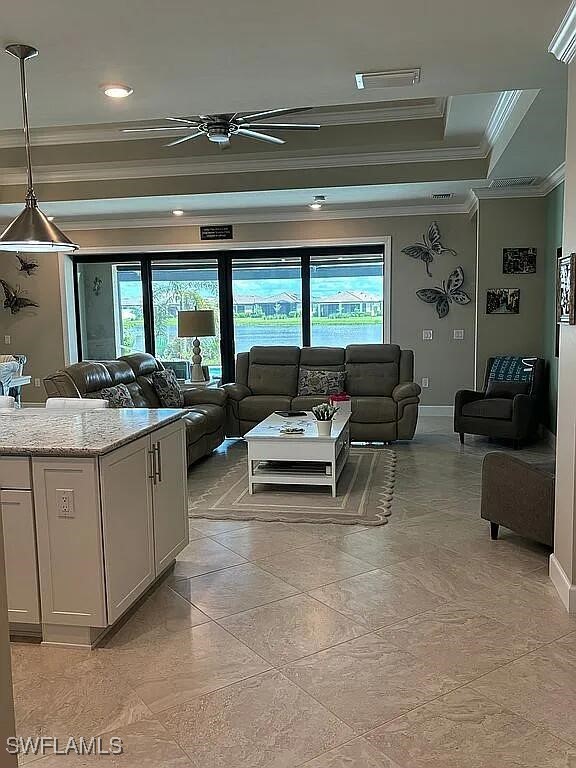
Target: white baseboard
[(566, 590), (438, 410)]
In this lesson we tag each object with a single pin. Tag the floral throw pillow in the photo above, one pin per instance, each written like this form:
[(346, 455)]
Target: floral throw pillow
[(118, 396), (166, 385), (320, 382)]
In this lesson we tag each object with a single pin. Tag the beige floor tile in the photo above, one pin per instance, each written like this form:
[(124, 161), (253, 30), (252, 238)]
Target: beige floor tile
[(30, 660), (163, 612), (175, 668), (383, 546), (203, 556), (267, 539), (145, 744), (233, 590), (508, 551), (315, 566), (458, 642), (534, 606), (451, 575), (366, 682), (377, 599), (540, 687), (464, 730), (289, 629), (194, 533), (356, 754), (216, 527), (264, 722)]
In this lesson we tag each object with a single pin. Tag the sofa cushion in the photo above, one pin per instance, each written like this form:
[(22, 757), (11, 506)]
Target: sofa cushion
[(258, 407), (196, 426), (88, 377), (214, 415), (372, 369), (142, 363), (274, 370), (326, 358), (507, 389), (118, 396), (166, 385), (320, 382), (489, 408), (373, 410), (306, 402)]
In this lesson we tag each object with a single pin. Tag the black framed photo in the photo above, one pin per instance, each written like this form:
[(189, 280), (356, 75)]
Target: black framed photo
[(519, 261), (565, 279), (503, 301)]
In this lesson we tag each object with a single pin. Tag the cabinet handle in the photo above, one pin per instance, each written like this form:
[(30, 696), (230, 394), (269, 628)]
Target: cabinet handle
[(158, 462), (153, 469)]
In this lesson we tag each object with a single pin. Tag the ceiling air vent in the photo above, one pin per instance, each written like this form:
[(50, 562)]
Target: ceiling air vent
[(393, 78), (442, 195), (520, 181)]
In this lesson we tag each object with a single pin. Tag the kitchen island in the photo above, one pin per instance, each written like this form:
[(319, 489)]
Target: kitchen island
[(94, 510)]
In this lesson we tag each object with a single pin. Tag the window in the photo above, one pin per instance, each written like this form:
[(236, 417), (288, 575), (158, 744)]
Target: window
[(346, 300), (267, 298), (180, 286)]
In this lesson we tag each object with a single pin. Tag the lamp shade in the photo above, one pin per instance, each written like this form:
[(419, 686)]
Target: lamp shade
[(32, 232), (195, 323)]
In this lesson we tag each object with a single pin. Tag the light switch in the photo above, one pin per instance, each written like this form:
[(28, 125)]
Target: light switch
[(458, 334), (425, 382), (7, 339), (427, 335)]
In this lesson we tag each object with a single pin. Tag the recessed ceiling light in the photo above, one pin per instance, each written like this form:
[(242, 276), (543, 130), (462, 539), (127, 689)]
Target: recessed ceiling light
[(178, 212), (116, 90), (317, 203)]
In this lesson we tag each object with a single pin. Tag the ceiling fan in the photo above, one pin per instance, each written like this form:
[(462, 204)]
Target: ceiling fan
[(220, 128)]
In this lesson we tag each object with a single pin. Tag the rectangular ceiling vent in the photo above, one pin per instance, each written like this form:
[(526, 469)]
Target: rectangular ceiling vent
[(520, 181), (442, 195), (393, 78)]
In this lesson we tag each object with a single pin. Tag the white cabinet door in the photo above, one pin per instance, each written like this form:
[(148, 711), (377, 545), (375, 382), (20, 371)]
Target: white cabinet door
[(170, 494), (20, 556), (127, 522)]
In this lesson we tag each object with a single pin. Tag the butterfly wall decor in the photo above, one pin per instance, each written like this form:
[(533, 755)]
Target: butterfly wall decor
[(29, 267), (449, 292), (13, 300), (431, 247)]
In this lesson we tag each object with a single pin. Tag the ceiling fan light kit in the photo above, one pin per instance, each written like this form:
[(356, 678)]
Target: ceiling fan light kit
[(219, 129), (31, 231), (317, 203)]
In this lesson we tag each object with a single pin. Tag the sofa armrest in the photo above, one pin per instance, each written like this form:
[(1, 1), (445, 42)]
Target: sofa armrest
[(405, 390), (237, 391), (464, 396), (203, 395)]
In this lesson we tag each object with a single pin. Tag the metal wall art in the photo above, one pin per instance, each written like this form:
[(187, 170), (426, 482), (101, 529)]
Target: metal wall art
[(26, 266), (450, 292), (13, 300), (519, 261), (431, 247)]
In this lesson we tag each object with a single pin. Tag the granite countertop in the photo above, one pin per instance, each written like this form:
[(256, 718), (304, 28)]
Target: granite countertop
[(42, 432)]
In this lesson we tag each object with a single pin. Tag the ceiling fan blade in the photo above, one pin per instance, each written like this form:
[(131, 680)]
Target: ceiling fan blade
[(283, 126), (272, 113), (158, 128), (259, 136), (185, 138), (185, 120)]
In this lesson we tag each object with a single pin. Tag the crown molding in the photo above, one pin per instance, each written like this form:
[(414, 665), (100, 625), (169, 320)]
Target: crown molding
[(502, 112), (543, 188), (167, 167), (563, 44), (554, 179), (96, 134)]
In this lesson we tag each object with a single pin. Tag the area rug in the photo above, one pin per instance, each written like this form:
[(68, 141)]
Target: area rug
[(365, 491)]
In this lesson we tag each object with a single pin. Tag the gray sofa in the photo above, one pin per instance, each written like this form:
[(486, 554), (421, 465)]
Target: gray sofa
[(206, 414), (379, 379)]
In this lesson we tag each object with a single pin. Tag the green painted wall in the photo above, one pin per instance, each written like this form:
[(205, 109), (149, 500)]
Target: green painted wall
[(554, 226)]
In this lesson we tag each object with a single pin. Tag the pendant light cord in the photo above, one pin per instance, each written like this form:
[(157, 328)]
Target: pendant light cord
[(30, 196)]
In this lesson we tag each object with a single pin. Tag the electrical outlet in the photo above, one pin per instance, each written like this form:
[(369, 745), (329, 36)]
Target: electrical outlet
[(458, 334), (425, 382), (427, 335), (7, 339), (65, 502), (37, 383)]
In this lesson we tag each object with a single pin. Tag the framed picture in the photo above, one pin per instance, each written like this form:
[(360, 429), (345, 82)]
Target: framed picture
[(565, 277), (519, 261), (503, 301)]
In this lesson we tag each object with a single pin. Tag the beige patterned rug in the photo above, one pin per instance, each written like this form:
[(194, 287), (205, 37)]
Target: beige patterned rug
[(365, 491)]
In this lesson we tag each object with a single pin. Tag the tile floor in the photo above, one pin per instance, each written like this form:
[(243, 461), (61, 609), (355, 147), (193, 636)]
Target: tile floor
[(420, 644)]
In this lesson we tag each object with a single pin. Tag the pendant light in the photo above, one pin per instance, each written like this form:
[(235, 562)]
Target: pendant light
[(31, 231)]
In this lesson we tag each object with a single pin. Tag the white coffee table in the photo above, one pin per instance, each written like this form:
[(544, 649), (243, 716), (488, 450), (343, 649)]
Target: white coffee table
[(267, 444)]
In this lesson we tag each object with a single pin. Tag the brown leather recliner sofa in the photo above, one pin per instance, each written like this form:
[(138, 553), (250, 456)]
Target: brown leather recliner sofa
[(379, 379), (204, 420)]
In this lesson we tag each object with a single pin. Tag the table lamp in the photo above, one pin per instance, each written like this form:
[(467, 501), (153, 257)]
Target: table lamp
[(193, 324)]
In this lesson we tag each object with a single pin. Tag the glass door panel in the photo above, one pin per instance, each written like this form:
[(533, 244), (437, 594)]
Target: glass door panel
[(110, 308), (267, 298), (183, 285), (347, 300)]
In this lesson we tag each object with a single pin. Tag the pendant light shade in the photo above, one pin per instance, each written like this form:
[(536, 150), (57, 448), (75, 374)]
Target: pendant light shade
[(31, 232)]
